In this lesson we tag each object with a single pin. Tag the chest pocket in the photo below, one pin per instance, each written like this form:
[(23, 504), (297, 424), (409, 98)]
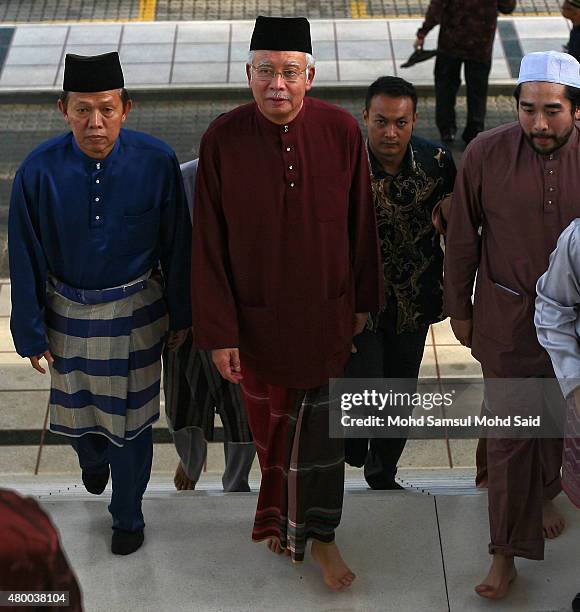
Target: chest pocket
[(331, 190), (141, 232)]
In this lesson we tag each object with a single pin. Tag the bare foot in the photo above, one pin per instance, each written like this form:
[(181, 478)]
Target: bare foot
[(181, 480), (275, 546), (335, 572), (553, 522), (497, 582)]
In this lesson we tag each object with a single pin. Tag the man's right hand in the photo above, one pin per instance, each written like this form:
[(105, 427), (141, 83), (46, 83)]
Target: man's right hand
[(418, 44), (463, 330), (35, 361), (227, 361)]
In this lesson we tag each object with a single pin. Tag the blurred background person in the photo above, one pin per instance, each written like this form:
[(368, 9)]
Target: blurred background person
[(466, 33)]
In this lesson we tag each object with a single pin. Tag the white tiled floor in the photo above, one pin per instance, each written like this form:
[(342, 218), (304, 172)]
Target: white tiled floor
[(364, 49)]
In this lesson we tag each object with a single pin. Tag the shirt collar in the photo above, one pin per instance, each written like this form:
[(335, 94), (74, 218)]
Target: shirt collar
[(283, 128), (92, 162), (377, 170)]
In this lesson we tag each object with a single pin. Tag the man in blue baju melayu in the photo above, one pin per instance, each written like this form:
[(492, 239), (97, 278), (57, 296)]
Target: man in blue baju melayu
[(99, 245)]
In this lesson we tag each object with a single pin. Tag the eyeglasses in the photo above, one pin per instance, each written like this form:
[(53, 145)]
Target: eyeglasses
[(266, 74)]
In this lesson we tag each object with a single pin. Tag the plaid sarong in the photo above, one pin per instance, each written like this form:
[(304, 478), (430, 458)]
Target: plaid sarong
[(107, 362), (571, 455), (302, 486)]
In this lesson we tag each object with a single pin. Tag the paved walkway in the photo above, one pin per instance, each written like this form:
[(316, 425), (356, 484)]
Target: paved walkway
[(411, 552), (212, 54), (211, 10)]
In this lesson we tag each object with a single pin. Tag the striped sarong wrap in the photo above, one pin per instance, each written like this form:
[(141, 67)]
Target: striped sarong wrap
[(107, 362), (571, 454), (195, 391), (302, 488)]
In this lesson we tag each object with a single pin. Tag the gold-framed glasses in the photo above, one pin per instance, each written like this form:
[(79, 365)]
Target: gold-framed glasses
[(267, 73)]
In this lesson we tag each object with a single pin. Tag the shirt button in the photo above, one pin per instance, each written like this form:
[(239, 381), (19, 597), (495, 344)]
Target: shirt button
[(96, 199), (287, 148), (549, 201), (551, 157), (285, 128), (290, 167), (98, 166), (551, 172), (291, 184), (97, 181), (551, 189), (97, 217)]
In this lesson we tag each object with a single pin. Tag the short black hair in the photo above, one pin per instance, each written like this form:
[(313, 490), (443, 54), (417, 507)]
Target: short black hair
[(393, 87), (570, 93), (125, 97)]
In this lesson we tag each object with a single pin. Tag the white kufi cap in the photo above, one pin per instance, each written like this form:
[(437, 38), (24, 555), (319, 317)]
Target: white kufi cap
[(550, 67)]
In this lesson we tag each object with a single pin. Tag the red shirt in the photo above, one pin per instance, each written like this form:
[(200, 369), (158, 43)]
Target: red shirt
[(285, 245)]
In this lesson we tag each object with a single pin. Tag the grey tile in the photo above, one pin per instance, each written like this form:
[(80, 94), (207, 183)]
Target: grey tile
[(321, 31), (150, 53), (199, 73), (500, 70), (324, 50), (540, 26), (97, 34), (39, 35), (146, 74), (407, 28), (209, 52), (31, 56), (238, 73), (418, 74), (364, 50), (242, 31), (529, 45), (203, 32), (239, 52), (27, 76), (22, 376), (497, 48), (147, 33), (360, 71), (90, 49), (381, 556), (325, 72), (549, 585), (5, 304), (372, 29), (17, 460), (403, 47), (22, 409)]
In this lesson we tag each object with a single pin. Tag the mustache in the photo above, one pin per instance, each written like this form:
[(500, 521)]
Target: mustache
[(277, 95)]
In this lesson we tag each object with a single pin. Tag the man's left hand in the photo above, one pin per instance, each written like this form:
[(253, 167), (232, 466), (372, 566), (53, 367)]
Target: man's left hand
[(360, 321), (176, 338)]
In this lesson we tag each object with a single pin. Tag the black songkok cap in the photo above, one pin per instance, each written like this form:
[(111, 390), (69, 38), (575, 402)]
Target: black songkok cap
[(91, 73), (281, 34)]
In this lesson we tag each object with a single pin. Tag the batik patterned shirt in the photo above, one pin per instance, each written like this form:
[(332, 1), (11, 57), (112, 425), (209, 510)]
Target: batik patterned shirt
[(410, 244)]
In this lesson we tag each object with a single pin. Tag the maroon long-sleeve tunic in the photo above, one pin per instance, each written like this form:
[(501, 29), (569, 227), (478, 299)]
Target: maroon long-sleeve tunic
[(285, 245), (522, 201)]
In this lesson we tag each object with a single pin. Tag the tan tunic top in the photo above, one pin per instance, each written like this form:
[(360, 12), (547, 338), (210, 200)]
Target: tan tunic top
[(522, 201)]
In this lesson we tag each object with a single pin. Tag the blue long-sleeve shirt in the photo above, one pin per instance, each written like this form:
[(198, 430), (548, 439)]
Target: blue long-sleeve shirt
[(95, 224)]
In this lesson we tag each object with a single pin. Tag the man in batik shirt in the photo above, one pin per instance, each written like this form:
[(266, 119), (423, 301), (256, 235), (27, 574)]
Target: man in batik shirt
[(412, 180)]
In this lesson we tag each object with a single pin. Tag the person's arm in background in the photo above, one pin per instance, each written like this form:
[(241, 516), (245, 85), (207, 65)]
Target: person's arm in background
[(557, 302), (432, 18), (442, 209)]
